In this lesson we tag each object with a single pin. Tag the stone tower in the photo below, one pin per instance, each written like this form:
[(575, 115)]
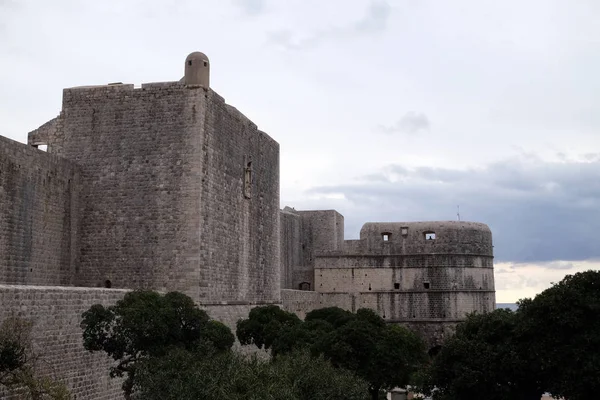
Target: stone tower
[(426, 275), (165, 197)]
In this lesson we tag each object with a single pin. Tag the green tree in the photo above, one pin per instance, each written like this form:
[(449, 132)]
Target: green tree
[(180, 375), (147, 324), (562, 328), (263, 325), (300, 336), (17, 363), (334, 315), (386, 356), (484, 359)]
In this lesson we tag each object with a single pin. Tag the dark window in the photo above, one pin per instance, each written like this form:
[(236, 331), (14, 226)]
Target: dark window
[(304, 286), (426, 285), (396, 286), (248, 180), (205, 64), (190, 62), (107, 283)]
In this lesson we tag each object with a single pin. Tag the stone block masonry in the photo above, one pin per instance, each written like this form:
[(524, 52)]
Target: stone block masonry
[(39, 205), (180, 191), (57, 336)]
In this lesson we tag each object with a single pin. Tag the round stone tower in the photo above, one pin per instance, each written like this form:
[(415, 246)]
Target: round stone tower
[(197, 70), (426, 275), (442, 270)]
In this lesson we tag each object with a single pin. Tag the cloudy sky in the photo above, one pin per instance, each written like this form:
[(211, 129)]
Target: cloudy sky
[(397, 110)]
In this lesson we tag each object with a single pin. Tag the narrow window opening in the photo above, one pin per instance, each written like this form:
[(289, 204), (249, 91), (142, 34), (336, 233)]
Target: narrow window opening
[(107, 284), (248, 180), (190, 62), (396, 286), (386, 236), (304, 286), (429, 235), (369, 286), (205, 64), (426, 285)]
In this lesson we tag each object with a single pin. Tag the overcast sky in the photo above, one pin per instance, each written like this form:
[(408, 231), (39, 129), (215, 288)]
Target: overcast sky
[(395, 110)]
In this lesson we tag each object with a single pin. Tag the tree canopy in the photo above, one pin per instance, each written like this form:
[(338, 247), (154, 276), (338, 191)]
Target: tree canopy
[(264, 325), (484, 359), (383, 355), (295, 376), (561, 326), (148, 324), (386, 356), (547, 345)]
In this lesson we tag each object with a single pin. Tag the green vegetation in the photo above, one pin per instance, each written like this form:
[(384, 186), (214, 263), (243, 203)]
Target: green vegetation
[(484, 359), (298, 376), (17, 364), (146, 324), (170, 349), (548, 345), (383, 355)]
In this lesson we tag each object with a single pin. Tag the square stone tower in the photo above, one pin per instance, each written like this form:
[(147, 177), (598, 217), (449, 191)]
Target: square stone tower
[(179, 191)]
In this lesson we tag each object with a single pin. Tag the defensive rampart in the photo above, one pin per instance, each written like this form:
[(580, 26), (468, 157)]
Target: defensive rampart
[(39, 216)]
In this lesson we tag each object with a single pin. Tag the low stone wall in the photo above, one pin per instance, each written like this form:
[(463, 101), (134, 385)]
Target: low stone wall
[(299, 302), (57, 336), (55, 312)]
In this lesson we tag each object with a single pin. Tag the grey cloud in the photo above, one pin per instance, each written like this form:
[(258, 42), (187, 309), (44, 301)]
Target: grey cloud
[(555, 265), (410, 123), (592, 156), (538, 211), (504, 271), (6, 7), (374, 20), (251, 7)]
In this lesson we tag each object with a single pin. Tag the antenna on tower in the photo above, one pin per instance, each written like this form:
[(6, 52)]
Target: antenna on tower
[(458, 212)]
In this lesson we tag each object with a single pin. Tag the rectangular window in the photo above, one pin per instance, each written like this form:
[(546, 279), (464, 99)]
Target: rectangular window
[(426, 285), (396, 286)]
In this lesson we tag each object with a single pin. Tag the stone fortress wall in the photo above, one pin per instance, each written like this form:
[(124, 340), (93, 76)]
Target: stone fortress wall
[(55, 312), (167, 187), (169, 163), (39, 216), (426, 275)]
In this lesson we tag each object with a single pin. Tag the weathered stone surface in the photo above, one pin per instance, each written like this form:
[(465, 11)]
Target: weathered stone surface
[(303, 234), (163, 187), (57, 336), (39, 206), (163, 179), (426, 275)]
